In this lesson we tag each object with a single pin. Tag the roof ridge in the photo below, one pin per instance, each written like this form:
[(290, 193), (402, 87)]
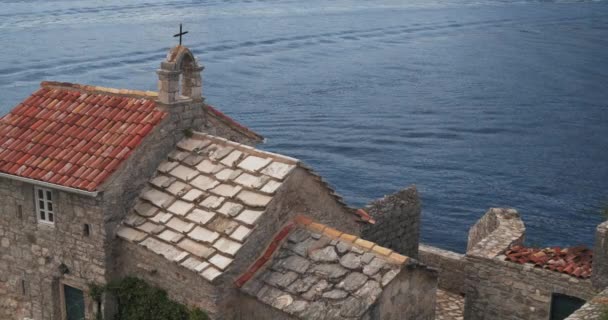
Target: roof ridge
[(99, 89), (250, 150), (365, 245)]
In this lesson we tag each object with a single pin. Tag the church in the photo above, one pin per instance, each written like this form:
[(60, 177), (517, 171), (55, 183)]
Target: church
[(99, 183)]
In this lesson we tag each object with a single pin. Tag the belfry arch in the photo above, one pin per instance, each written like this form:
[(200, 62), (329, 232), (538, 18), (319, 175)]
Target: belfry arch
[(179, 77)]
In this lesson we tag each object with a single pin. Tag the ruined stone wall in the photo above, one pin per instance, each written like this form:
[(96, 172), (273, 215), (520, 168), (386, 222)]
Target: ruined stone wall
[(599, 273), (182, 285), (31, 252), (499, 289), (450, 265), (410, 296), (397, 222), (594, 309)]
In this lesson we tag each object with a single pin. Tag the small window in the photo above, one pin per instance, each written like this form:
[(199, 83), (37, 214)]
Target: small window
[(86, 230), (44, 205)]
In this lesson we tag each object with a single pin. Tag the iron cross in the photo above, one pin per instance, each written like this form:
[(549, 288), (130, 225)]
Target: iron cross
[(180, 34)]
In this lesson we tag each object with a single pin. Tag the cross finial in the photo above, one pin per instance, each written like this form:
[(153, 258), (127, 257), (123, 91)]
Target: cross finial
[(180, 34)]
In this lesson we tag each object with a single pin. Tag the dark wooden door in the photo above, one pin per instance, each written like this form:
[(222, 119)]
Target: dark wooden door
[(74, 303), (562, 306)]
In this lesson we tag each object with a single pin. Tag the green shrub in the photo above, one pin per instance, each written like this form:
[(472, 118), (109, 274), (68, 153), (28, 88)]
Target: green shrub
[(137, 300)]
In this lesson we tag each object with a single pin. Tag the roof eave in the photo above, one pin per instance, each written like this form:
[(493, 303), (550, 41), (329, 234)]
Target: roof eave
[(92, 194)]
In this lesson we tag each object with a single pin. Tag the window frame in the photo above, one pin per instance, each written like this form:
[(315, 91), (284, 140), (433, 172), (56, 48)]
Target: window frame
[(48, 198)]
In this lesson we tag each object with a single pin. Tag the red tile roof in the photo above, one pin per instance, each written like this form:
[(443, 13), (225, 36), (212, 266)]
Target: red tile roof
[(575, 261), (74, 135)]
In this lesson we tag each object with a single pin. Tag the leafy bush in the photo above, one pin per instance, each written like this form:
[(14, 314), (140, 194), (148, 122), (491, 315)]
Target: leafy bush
[(139, 301)]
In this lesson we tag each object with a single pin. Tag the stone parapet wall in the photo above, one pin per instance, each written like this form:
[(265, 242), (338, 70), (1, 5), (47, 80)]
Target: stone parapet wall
[(31, 252), (397, 222), (599, 273), (182, 285), (495, 232), (595, 309), (498, 289), (450, 266)]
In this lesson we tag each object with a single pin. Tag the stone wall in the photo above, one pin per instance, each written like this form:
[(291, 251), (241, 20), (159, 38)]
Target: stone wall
[(182, 285), (397, 222), (221, 127), (595, 309), (599, 273), (499, 289), (410, 296), (450, 265), (31, 252), (250, 308)]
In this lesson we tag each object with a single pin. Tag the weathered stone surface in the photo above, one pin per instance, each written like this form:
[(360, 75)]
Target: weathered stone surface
[(200, 216), (327, 254), (374, 266), (230, 208), (331, 271), (335, 294), (223, 225), (250, 181), (249, 216), (202, 234), (295, 263), (192, 195), (227, 246), (353, 308), (170, 236), (226, 190), (180, 207), (241, 233), (196, 248), (278, 170), (281, 280), (220, 261), (204, 182), (316, 290), (184, 173), (271, 187), (158, 198), (351, 261), (353, 281), (253, 199), (369, 292), (212, 202), (130, 234), (233, 157), (253, 163), (228, 174)]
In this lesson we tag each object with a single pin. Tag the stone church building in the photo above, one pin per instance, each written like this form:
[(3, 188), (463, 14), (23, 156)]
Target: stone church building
[(97, 184)]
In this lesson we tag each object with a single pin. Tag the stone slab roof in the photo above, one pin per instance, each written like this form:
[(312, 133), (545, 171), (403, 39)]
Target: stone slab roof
[(575, 261), (75, 135), (312, 271), (204, 202)]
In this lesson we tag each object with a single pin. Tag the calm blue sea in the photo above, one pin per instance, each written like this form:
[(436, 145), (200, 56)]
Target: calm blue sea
[(479, 103)]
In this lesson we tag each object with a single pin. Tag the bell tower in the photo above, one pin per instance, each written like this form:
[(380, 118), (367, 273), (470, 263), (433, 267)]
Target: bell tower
[(179, 77)]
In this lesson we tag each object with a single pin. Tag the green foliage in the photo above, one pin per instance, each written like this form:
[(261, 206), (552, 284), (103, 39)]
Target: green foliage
[(188, 132), (139, 301)]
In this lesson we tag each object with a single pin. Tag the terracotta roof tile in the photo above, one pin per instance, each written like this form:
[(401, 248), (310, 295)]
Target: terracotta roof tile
[(74, 135), (575, 261)]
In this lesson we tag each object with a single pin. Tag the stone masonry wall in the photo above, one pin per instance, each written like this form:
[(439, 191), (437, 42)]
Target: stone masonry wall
[(181, 284), (599, 273), (31, 252), (450, 265), (499, 289), (410, 296), (397, 222), (594, 309)]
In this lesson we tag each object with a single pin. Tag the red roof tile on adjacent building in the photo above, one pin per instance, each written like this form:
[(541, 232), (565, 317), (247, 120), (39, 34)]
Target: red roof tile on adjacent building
[(74, 135), (575, 261)]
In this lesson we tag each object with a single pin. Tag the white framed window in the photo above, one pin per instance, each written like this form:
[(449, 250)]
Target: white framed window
[(45, 210)]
